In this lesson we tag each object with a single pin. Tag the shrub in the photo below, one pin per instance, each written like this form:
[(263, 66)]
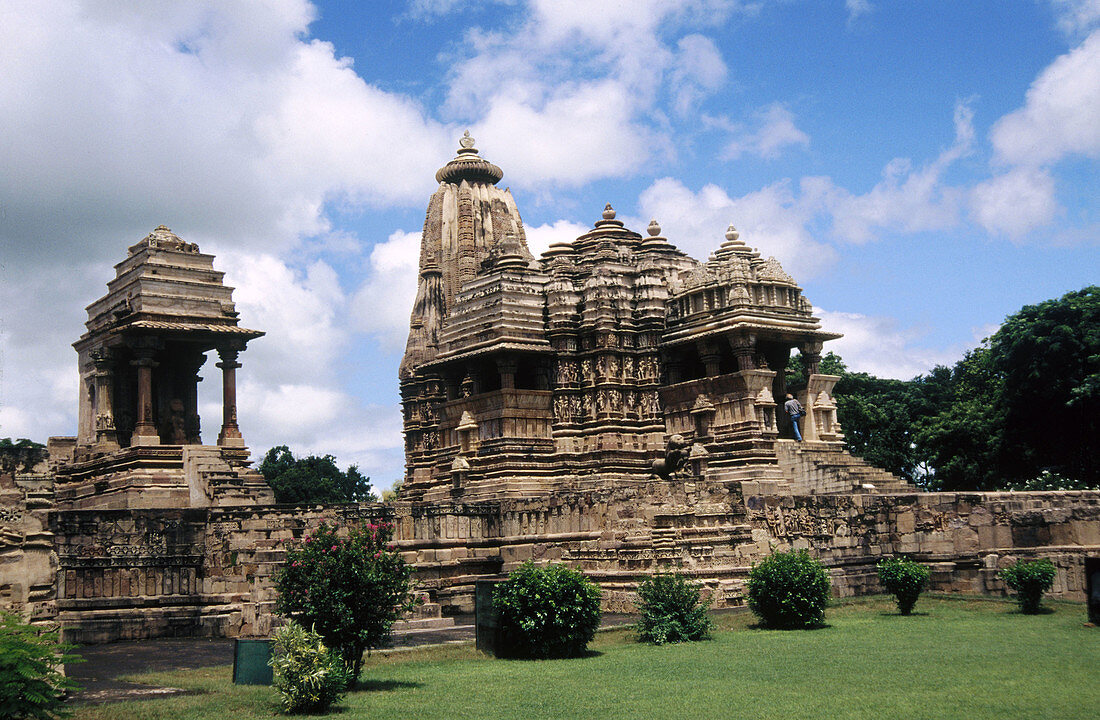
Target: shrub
[(673, 610), (348, 589), (1030, 580), (31, 686), (308, 676), (789, 590), (546, 612), (906, 579)]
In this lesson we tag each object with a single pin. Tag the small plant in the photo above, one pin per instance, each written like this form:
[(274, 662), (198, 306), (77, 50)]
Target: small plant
[(1030, 580), (906, 579), (546, 612), (308, 676), (349, 589), (31, 686), (789, 590), (673, 610)]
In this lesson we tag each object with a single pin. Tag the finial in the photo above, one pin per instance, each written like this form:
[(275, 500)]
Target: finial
[(654, 228), (732, 234), (162, 227), (466, 142), (608, 212)]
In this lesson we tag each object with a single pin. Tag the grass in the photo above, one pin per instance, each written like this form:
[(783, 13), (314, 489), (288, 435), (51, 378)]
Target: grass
[(954, 658)]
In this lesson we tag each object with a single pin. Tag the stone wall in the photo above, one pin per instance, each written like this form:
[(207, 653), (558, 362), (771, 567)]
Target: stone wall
[(964, 537), (208, 571), (28, 563)]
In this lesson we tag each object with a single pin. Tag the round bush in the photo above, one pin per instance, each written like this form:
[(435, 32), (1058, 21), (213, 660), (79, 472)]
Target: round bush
[(546, 612), (673, 610), (789, 590), (906, 579), (308, 676), (1030, 580)]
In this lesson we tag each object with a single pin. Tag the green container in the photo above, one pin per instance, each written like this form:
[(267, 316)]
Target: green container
[(252, 662)]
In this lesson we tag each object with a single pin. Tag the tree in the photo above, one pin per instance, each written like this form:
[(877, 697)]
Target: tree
[(348, 588), (1049, 358), (963, 439), (20, 456), (313, 479)]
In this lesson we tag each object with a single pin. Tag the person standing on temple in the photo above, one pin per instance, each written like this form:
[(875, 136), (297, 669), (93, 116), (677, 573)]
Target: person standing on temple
[(795, 410)]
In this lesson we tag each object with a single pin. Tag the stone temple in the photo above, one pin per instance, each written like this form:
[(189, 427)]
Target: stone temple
[(527, 376), (614, 405), (139, 440)]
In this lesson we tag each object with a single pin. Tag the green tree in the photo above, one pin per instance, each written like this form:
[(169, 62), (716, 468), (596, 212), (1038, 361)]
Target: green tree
[(313, 479), (963, 439), (1049, 357), (349, 588), (20, 456)]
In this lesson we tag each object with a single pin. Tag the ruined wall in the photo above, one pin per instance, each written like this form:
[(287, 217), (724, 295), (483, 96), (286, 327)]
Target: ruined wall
[(208, 571), (28, 563)]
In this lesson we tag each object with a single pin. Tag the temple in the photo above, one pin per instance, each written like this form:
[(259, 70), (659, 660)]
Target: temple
[(581, 368), (139, 439)]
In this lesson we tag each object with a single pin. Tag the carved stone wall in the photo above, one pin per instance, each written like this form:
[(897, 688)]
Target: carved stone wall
[(28, 563), (209, 571)]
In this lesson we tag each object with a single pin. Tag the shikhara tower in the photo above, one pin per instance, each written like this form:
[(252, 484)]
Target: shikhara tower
[(527, 376)]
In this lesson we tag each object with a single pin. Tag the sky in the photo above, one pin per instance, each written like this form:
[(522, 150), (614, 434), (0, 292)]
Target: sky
[(922, 168)]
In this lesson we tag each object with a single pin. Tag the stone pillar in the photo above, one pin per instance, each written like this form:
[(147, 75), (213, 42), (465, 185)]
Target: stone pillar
[(811, 357), (744, 349), (507, 369), (708, 353), (145, 429), (191, 399), (230, 435), (106, 435)]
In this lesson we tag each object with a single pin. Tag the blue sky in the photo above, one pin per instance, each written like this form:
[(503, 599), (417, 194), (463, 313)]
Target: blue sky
[(923, 169)]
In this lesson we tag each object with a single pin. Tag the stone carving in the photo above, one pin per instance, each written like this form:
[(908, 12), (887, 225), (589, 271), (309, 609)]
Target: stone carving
[(676, 456)]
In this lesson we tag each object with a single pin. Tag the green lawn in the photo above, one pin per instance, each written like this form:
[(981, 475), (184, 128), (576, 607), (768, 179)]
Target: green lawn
[(957, 658)]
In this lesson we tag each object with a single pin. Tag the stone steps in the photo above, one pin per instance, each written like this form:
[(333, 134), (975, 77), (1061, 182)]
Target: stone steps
[(821, 469)]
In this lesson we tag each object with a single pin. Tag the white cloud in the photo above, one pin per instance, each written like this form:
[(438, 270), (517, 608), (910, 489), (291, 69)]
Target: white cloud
[(1016, 202), (585, 133), (876, 345), (384, 301), (541, 237), (698, 70), (1076, 16), (220, 113), (585, 80), (771, 219), (906, 199), (775, 131), (856, 8), (1059, 117)]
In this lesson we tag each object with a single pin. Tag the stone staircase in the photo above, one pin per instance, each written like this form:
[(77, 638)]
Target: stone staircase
[(213, 480), (825, 469)]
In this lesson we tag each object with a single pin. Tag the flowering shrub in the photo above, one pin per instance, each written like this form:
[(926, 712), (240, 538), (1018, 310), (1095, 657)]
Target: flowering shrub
[(904, 578), (1030, 580), (789, 590), (673, 610), (308, 676), (546, 612), (349, 588)]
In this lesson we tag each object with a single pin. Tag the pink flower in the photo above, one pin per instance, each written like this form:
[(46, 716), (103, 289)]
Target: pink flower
[(333, 547)]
